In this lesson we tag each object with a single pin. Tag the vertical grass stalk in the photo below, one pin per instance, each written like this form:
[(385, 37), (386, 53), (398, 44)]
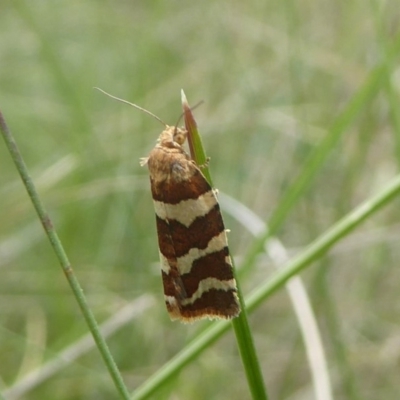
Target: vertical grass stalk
[(62, 258), (240, 324)]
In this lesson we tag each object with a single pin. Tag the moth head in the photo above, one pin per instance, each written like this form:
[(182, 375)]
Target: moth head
[(172, 136), (180, 135)]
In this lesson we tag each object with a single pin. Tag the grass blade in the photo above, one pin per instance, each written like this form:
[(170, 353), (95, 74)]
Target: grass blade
[(241, 326), (62, 258)]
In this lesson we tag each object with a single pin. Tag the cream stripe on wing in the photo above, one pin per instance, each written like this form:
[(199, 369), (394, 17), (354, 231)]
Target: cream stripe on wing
[(207, 284), (164, 263), (217, 243), (186, 211), (184, 263)]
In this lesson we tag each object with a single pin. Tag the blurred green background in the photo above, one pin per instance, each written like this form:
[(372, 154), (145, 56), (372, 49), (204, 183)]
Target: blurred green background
[(274, 76)]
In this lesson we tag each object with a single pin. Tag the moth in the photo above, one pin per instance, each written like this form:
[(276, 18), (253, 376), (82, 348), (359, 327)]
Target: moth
[(196, 265)]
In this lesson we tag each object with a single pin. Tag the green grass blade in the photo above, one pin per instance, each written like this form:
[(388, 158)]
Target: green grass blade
[(62, 258), (196, 147), (241, 326)]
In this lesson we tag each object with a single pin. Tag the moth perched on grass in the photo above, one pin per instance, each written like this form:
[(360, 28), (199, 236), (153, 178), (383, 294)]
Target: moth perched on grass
[(195, 262)]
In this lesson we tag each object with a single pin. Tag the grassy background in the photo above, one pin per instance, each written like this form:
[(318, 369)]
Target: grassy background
[(274, 77)]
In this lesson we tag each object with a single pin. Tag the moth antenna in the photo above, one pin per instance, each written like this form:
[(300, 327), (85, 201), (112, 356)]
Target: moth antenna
[(134, 105)]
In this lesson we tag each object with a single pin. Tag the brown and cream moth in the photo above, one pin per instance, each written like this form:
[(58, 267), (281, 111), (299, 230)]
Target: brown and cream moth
[(195, 262), (196, 266)]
